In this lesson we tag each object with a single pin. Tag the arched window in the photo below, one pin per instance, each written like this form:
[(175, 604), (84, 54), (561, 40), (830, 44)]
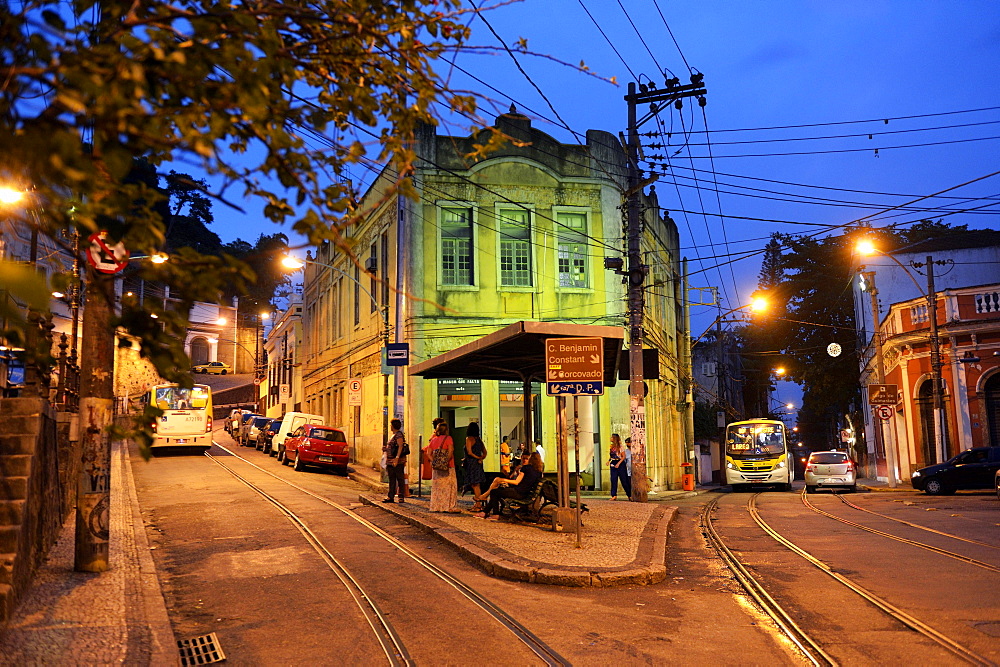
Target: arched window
[(925, 410), (199, 351), (992, 391)]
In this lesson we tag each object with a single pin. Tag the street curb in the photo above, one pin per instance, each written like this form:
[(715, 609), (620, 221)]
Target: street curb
[(163, 649), (648, 567), (879, 489)]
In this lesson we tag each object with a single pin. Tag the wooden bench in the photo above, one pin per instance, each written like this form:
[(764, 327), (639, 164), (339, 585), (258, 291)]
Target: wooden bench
[(550, 496), (526, 509)]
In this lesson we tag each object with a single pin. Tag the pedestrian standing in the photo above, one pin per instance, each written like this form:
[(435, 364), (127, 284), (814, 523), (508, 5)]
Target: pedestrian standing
[(440, 453), (616, 464), (475, 454), (396, 451)]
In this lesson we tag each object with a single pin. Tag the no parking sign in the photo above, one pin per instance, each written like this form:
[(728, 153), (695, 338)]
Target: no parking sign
[(883, 412), (354, 392), (106, 258)]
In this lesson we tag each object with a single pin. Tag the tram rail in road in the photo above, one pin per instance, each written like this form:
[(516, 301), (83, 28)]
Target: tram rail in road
[(811, 647), (393, 646)]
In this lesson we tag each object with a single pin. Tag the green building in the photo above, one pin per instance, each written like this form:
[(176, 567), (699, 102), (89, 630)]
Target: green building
[(521, 235)]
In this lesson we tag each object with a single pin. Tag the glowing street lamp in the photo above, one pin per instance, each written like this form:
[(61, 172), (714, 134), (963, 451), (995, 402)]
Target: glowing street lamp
[(9, 195)]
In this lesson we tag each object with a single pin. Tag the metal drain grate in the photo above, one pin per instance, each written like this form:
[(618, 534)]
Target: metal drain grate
[(201, 650)]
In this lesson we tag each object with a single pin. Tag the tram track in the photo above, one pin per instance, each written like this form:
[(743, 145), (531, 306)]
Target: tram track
[(799, 637), (811, 647), (920, 545), (916, 525), (387, 636)]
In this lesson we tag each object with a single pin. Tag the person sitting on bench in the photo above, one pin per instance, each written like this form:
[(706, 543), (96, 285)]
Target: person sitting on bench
[(504, 477), (519, 488)]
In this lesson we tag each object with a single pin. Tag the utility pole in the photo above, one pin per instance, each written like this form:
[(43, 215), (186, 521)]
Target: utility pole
[(888, 447), (93, 497), (657, 99), (720, 380), (940, 423)]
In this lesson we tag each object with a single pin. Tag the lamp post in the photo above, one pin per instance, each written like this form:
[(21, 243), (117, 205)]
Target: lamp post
[(940, 424), (295, 264), (758, 304)]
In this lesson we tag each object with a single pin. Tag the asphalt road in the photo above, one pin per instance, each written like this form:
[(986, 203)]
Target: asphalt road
[(231, 563)]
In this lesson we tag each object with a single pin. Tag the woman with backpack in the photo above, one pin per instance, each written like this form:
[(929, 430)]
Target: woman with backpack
[(440, 453)]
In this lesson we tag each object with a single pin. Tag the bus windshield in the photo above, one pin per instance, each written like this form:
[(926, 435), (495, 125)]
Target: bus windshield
[(180, 398), (765, 439)]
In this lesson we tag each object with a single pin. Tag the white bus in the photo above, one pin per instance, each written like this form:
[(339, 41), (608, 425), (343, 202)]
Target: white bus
[(187, 415)]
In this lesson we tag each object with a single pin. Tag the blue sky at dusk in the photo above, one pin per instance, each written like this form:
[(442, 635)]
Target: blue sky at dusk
[(821, 65)]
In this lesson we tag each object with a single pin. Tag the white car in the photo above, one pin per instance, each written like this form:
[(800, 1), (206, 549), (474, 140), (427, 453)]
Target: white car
[(830, 469)]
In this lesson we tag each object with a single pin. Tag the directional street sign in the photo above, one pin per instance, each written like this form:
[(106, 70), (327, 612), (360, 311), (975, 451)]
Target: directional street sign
[(882, 394), (574, 366), (354, 392), (883, 412), (106, 258)]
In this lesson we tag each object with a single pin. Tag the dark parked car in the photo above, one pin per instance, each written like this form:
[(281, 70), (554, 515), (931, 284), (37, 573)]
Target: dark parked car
[(316, 445), (266, 436), (972, 469)]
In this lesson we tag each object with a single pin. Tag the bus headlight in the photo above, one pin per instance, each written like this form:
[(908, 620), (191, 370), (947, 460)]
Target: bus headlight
[(780, 465), (729, 464)]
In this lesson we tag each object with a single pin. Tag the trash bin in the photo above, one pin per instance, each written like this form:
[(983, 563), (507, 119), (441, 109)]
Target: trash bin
[(687, 476)]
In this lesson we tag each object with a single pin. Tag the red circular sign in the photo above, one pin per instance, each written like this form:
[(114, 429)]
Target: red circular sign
[(883, 412), (256, 381), (105, 258)]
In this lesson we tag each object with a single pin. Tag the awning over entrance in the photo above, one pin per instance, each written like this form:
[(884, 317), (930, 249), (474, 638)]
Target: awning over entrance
[(517, 352)]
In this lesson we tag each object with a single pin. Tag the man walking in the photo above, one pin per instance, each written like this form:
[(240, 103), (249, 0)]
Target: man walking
[(396, 451)]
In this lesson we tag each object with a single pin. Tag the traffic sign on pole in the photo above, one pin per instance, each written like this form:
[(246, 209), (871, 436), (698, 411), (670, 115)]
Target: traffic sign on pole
[(574, 366), (106, 258), (354, 392), (883, 412)]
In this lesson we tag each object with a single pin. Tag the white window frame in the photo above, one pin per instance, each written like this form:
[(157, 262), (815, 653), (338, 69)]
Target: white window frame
[(533, 247), (557, 228), (440, 206)]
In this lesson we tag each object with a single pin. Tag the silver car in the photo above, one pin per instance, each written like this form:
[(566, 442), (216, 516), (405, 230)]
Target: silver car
[(830, 469)]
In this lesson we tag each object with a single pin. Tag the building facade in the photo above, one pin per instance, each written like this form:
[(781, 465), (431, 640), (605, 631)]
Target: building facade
[(520, 235), (967, 295)]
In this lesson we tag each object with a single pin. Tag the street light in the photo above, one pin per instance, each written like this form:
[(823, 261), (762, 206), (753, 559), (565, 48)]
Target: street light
[(295, 264), (866, 247), (9, 195), (758, 304)]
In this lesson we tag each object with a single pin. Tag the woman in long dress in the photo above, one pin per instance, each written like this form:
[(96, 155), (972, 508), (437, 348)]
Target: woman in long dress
[(475, 452), (444, 483)]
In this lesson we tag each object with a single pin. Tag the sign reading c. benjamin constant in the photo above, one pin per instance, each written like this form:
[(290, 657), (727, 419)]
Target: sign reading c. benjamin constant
[(574, 366)]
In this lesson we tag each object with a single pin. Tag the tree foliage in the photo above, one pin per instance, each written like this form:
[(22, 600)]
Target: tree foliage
[(810, 279), (270, 100)]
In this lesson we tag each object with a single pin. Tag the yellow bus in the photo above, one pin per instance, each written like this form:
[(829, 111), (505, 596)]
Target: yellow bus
[(187, 415), (757, 455)]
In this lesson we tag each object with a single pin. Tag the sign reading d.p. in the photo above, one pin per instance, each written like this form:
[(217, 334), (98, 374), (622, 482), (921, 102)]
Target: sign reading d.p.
[(574, 366)]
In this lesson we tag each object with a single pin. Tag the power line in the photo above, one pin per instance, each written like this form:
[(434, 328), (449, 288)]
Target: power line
[(870, 135), (843, 150), (856, 122), (610, 43), (671, 33)]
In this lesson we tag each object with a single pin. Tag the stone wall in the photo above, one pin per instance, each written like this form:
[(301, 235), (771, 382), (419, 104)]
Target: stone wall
[(32, 505)]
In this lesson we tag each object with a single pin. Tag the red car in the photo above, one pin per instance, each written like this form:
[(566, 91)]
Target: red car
[(315, 445)]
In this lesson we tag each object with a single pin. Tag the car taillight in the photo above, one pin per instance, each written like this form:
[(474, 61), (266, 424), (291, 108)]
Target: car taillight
[(810, 468), (152, 427), (850, 466)]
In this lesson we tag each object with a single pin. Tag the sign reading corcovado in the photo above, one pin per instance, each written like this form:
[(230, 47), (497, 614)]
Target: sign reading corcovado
[(574, 366)]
